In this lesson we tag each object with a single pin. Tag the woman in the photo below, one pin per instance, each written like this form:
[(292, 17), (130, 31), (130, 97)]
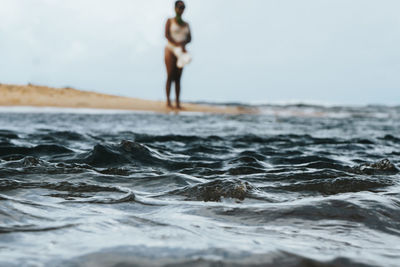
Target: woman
[(178, 35)]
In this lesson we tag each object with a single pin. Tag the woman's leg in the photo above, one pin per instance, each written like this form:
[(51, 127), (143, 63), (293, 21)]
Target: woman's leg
[(170, 63), (178, 87)]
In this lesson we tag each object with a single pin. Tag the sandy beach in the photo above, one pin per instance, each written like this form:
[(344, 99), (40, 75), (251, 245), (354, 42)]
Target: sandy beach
[(43, 96)]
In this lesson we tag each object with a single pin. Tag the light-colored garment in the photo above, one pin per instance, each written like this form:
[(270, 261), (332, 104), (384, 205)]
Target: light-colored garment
[(179, 34), (183, 58)]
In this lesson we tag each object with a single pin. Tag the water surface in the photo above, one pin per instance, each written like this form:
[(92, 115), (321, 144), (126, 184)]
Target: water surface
[(293, 186)]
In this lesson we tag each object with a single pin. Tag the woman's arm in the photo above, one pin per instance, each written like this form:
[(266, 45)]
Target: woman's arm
[(188, 40)]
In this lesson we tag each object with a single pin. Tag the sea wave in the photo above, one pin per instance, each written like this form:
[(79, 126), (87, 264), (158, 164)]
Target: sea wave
[(322, 184)]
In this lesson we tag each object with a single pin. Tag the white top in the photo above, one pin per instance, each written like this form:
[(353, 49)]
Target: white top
[(178, 33)]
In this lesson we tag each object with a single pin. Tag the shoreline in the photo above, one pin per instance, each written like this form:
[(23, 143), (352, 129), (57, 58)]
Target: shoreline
[(47, 97)]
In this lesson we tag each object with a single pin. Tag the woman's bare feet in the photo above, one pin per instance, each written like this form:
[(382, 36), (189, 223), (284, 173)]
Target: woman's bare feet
[(169, 104)]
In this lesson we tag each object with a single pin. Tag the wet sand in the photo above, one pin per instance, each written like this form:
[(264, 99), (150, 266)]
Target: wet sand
[(43, 96)]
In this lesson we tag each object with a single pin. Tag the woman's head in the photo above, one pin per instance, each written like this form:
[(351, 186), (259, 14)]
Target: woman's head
[(179, 7)]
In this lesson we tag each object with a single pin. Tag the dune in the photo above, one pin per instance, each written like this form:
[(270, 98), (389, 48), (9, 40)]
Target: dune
[(43, 96)]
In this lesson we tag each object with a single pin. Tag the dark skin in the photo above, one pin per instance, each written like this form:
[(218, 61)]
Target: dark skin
[(174, 73)]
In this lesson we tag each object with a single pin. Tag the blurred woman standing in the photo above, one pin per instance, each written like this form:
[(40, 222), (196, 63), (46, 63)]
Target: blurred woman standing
[(178, 34)]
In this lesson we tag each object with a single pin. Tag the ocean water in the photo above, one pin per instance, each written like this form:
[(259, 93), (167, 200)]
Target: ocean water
[(294, 185)]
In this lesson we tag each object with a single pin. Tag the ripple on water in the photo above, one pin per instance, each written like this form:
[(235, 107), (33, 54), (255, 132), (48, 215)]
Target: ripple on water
[(325, 188)]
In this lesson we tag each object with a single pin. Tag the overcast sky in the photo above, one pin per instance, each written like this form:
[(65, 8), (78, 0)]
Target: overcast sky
[(258, 51)]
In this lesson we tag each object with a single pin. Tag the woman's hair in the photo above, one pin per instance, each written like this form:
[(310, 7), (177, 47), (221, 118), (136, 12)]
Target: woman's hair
[(178, 2)]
